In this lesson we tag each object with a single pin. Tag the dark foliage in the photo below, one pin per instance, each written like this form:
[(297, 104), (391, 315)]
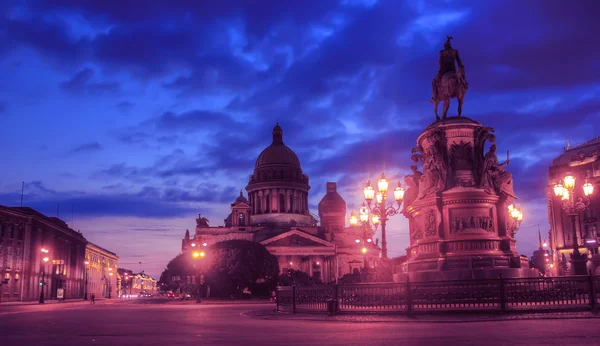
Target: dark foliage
[(233, 265), (296, 277)]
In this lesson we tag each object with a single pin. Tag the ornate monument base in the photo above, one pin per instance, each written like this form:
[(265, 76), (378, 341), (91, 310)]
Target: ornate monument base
[(460, 227)]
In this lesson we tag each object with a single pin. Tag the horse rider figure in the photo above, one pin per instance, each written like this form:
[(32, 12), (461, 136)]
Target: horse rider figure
[(448, 57)]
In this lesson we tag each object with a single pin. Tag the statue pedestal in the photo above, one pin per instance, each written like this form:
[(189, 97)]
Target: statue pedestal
[(458, 226)]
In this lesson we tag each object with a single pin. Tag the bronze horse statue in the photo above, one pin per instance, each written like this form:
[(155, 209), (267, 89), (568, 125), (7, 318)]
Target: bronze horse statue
[(452, 85)]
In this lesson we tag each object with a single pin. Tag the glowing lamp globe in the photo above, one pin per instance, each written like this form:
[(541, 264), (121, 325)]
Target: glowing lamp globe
[(558, 190), (588, 189), (382, 184), (353, 219), (369, 192), (566, 195), (379, 198), (363, 250), (375, 219), (569, 182), (364, 214), (398, 193)]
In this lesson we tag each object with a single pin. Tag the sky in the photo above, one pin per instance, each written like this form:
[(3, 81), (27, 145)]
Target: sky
[(129, 118)]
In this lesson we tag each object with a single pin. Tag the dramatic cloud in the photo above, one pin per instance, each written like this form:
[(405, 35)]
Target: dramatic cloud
[(81, 82), (184, 95), (86, 148)]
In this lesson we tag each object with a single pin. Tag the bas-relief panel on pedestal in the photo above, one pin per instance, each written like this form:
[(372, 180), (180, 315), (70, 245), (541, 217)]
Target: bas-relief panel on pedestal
[(463, 221)]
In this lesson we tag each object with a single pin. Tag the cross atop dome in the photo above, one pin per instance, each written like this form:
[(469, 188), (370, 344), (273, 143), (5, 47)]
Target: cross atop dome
[(277, 134)]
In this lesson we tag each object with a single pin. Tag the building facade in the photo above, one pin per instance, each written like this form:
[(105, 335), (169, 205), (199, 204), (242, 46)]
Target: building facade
[(135, 284), (276, 214), (101, 272), (583, 163), (24, 232)]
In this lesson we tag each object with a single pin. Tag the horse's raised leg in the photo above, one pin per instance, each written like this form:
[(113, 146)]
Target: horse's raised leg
[(446, 106), (435, 110), (460, 103)]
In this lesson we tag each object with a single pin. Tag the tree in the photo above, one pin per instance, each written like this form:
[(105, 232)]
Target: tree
[(233, 265), (180, 266)]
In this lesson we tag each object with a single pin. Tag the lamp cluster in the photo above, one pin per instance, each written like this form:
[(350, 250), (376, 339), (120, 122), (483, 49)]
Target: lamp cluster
[(198, 254), (565, 190), (380, 211)]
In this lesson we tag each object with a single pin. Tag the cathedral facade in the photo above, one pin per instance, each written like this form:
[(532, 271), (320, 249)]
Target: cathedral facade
[(276, 214)]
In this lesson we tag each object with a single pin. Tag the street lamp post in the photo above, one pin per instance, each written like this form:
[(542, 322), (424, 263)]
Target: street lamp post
[(110, 274), (516, 215), (572, 206), (381, 207), (85, 294), (364, 230), (45, 260), (196, 255)]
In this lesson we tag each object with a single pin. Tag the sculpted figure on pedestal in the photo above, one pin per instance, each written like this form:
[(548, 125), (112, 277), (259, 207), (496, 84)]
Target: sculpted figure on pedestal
[(494, 178), (202, 221), (416, 176), (449, 82), (433, 179), (481, 135), (411, 192)]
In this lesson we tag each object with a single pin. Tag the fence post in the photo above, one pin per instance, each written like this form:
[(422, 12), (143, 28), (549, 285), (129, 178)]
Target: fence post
[(593, 298), (502, 295), (408, 294), (336, 297), (277, 298), (293, 299)]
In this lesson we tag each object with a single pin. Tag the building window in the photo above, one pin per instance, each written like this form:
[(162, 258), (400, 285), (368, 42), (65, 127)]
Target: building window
[(1, 230), (596, 172), (242, 219)]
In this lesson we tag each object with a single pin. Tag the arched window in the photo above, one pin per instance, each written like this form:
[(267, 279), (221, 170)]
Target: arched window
[(242, 219), (281, 203), (267, 203)]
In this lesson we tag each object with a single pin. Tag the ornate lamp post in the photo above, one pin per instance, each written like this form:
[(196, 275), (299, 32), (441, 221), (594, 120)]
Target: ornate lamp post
[(516, 215), (572, 207), (85, 294), (45, 260), (364, 230), (197, 255), (381, 208), (110, 274)]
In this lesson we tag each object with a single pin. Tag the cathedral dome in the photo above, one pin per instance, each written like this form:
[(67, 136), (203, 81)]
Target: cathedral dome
[(277, 153)]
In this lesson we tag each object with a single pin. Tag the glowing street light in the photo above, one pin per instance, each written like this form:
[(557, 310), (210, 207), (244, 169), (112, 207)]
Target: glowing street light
[(381, 210), (573, 207), (45, 260)]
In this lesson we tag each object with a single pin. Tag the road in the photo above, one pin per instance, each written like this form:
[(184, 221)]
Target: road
[(160, 322)]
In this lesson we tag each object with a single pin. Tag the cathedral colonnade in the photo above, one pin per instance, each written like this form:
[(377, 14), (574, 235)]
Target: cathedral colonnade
[(278, 200)]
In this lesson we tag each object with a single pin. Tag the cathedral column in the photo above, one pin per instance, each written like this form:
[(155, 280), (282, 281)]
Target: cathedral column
[(287, 200)]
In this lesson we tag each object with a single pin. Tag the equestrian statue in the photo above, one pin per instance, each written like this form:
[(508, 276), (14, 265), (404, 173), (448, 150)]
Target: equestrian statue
[(449, 82)]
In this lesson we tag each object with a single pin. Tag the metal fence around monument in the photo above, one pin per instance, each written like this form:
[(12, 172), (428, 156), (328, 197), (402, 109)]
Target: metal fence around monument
[(528, 294)]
